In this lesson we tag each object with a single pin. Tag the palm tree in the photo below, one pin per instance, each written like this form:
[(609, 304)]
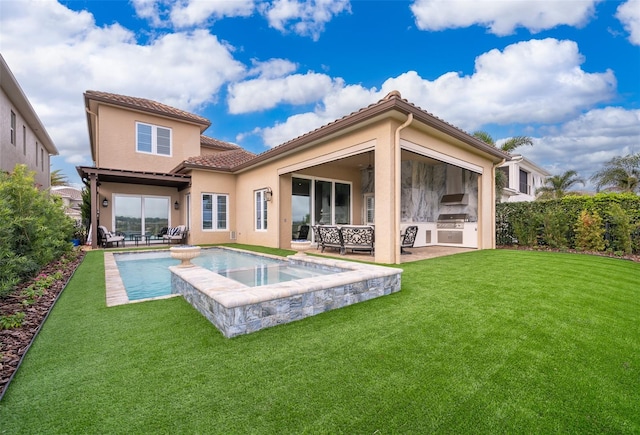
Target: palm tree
[(620, 174), (508, 146), (557, 186), (58, 178)]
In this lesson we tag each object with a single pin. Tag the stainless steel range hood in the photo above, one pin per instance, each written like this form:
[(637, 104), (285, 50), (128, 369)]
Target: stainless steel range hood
[(455, 199)]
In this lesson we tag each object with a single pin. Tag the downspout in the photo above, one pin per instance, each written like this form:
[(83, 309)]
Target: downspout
[(495, 200), (398, 191)]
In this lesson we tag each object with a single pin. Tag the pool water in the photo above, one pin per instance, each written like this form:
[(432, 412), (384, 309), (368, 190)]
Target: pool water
[(146, 274)]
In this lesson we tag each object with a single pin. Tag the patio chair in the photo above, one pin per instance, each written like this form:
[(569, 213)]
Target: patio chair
[(175, 234), (302, 233), (357, 238), (331, 237), (408, 238), (106, 237)]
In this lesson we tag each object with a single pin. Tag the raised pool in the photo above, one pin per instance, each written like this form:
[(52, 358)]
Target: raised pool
[(304, 286)]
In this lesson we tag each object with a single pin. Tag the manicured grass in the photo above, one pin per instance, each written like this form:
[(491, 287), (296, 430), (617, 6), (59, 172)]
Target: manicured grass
[(482, 342)]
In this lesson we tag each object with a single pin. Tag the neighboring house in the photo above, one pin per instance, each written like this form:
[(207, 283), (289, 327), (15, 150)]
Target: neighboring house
[(23, 138), (71, 200), (390, 164), (524, 178)]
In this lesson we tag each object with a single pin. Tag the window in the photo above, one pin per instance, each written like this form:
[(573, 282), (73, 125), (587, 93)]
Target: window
[(218, 203), (13, 128), (36, 153), (524, 182), (153, 139), (261, 209), (141, 214), (24, 140), (42, 159), (370, 208)]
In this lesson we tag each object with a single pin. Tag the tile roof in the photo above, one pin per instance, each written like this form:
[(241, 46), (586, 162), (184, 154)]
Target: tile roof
[(224, 160), (392, 101), (146, 105), (215, 143), (66, 191)]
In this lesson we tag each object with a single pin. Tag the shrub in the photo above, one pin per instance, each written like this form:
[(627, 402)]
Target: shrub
[(619, 229), (554, 229), (589, 232), (547, 222), (35, 229)]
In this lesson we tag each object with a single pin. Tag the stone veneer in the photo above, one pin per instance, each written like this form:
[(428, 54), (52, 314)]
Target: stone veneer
[(236, 309)]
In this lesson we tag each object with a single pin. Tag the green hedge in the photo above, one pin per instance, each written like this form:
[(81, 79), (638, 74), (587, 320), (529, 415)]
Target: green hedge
[(554, 223), (34, 229)]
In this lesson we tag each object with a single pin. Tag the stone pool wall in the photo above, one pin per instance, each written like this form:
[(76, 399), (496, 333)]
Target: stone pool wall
[(236, 309)]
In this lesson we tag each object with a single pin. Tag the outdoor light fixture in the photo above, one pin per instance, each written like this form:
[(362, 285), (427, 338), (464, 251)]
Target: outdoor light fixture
[(268, 194), (105, 202), (176, 205)]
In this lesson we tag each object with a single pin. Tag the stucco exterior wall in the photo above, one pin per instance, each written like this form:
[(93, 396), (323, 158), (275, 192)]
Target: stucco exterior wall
[(215, 183), (26, 149), (116, 146)]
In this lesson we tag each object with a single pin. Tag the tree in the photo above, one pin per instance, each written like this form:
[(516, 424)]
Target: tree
[(58, 178), (620, 174), (557, 186), (508, 146)]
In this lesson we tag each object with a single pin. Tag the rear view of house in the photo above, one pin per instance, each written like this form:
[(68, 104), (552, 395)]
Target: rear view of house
[(390, 165)]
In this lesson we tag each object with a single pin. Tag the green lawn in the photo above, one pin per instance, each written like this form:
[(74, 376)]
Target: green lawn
[(483, 342)]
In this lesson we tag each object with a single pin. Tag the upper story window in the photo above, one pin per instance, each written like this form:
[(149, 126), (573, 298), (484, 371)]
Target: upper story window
[(153, 139), (13, 128)]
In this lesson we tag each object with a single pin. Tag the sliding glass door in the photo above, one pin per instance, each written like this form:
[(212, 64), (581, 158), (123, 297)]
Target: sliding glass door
[(141, 214), (323, 202)]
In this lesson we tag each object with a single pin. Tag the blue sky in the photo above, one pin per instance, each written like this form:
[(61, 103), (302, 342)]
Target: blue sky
[(564, 72)]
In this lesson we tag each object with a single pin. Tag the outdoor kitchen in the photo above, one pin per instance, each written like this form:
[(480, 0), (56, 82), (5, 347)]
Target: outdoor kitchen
[(442, 200)]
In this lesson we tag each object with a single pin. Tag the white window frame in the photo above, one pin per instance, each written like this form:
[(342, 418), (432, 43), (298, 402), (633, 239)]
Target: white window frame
[(154, 139), (13, 128), (214, 211), (260, 212), (369, 208)]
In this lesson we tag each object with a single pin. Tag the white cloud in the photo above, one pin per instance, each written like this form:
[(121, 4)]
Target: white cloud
[(149, 10), (196, 12), (263, 93), (303, 17), (538, 81), (629, 15), (272, 68), (56, 54), (585, 143), (501, 17)]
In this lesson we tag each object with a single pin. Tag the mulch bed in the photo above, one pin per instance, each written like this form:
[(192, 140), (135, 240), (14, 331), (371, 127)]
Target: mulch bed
[(15, 342)]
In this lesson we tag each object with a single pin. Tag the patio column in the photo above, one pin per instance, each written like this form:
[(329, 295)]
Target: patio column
[(387, 225), (93, 178)]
